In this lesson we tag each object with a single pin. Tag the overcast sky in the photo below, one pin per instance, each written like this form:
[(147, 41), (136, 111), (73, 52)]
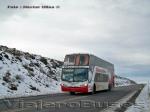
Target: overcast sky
[(115, 30)]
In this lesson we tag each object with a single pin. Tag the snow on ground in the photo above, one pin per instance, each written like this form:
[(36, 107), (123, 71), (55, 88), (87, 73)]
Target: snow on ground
[(121, 81), (23, 74), (142, 103)]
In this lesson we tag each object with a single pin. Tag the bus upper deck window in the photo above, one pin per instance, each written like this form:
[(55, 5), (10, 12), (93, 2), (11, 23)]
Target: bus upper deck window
[(84, 59), (70, 59), (77, 60)]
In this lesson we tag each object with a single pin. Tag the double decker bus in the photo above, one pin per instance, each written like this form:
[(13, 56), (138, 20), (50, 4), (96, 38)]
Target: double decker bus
[(86, 73)]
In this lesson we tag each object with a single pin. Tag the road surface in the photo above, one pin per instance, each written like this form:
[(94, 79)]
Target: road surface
[(66, 102)]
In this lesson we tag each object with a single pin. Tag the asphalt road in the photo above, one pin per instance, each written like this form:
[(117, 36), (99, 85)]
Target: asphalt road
[(66, 102)]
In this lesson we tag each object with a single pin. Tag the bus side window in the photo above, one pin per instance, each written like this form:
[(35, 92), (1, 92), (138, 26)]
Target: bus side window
[(97, 77), (103, 78), (106, 78)]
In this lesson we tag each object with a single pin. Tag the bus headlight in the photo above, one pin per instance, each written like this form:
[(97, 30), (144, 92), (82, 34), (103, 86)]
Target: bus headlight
[(64, 85), (83, 85)]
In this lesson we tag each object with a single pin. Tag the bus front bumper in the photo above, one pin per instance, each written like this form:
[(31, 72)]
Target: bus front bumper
[(75, 89)]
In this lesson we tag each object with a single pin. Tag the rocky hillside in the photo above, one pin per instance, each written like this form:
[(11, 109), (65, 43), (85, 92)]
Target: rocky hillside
[(24, 73), (122, 81)]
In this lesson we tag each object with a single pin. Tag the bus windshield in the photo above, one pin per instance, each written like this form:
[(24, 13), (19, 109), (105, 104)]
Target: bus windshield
[(75, 74)]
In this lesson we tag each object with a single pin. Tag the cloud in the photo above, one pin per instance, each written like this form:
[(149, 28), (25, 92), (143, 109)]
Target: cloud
[(117, 31)]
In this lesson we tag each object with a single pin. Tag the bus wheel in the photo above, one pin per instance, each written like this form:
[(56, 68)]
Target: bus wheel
[(94, 90), (72, 93), (109, 87)]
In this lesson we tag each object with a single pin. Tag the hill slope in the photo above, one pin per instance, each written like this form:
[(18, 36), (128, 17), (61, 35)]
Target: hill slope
[(22, 73), (122, 81)]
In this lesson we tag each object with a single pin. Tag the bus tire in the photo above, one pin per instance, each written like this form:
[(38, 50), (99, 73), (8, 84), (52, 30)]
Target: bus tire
[(72, 93), (94, 89), (109, 87)]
